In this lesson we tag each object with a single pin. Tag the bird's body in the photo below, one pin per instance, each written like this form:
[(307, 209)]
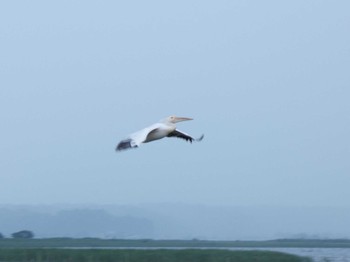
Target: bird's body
[(165, 128)]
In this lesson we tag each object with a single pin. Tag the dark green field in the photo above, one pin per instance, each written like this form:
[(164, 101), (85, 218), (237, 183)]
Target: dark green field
[(148, 243), (122, 250), (157, 255)]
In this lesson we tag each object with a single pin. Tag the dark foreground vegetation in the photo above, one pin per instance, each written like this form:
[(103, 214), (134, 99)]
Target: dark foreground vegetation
[(133, 255), (149, 243)]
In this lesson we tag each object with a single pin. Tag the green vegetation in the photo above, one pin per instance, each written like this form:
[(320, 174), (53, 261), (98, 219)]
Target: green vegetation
[(132, 255), (123, 250), (148, 243)]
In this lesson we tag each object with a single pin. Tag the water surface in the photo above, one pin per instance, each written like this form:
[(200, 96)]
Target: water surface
[(317, 254)]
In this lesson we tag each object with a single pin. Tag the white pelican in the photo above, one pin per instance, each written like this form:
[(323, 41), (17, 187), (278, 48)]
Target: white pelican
[(165, 128)]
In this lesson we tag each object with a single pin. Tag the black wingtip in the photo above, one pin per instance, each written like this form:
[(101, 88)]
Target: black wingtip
[(123, 145)]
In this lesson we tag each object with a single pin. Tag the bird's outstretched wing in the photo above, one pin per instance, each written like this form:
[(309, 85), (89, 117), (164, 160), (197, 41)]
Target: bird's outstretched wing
[(134, 140), (182, 135)]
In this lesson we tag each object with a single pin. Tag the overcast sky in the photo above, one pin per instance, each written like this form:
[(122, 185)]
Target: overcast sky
[(267, 82)]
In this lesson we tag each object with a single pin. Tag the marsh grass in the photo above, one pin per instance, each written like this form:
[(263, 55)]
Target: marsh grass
[(134, 255), (149, 243)]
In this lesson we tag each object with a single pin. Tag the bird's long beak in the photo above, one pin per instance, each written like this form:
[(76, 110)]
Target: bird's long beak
[(180, 119)]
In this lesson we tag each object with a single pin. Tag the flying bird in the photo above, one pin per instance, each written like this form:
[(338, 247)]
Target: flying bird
[(165, 128)]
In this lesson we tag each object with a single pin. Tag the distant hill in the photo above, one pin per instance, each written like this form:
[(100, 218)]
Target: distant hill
[(176, 221)]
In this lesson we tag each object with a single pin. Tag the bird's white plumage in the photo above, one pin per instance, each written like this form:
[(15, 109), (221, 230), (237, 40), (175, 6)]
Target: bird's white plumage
[(141, 136), (165, 128)]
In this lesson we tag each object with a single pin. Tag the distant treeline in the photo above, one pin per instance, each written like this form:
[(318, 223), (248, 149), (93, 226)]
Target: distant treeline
[(150, 243)]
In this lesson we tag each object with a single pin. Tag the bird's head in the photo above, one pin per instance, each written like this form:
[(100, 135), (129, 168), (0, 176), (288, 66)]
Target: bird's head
[(176, 119)]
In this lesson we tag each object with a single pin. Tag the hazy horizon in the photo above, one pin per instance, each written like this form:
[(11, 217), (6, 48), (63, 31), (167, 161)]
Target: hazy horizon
[(176, 221)]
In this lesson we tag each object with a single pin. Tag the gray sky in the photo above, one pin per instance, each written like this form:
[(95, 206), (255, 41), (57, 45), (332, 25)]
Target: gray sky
[(267, 82)]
